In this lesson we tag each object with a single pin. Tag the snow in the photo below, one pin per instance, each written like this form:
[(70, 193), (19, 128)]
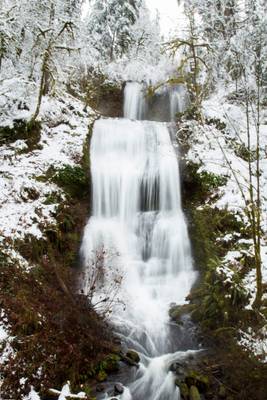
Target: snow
[(169, 12), (66, 393), (140, 70), (32, 395), (255, 342), (3, 327)]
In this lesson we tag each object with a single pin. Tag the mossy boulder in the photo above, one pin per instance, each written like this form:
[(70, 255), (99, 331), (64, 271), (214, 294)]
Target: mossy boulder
[(133, 356), (176, 312)]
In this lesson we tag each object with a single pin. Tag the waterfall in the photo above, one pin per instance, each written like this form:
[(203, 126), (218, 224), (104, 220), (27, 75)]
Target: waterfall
[(134, 101), (137, 237), (179, 100)]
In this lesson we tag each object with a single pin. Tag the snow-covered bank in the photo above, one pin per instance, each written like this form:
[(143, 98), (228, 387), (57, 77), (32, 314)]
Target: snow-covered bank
[(216, 147), (24, 195)]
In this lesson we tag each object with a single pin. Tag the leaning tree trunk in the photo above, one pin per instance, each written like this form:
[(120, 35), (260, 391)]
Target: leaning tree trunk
[(41, 87)]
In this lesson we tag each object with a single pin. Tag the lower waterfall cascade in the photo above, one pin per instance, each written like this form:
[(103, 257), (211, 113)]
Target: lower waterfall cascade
[(136, 243)]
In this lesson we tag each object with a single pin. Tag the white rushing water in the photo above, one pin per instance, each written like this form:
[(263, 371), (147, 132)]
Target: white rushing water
[(134, 101), (137, 233), (179, 100)]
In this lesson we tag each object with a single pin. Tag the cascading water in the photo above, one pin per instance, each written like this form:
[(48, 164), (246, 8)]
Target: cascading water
[(134, 101), (138, 226), (179, 100)]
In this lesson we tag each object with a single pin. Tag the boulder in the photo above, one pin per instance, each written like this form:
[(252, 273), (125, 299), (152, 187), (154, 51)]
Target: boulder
[(100, 388), (177, 367), (176, 312), (133, 356), (118, 389)]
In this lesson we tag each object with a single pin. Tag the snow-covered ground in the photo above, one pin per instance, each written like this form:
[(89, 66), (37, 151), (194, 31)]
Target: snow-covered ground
[(23, 194), (214, 151)]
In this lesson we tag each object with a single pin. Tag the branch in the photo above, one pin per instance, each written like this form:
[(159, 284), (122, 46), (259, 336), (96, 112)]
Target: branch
[(62, 47)]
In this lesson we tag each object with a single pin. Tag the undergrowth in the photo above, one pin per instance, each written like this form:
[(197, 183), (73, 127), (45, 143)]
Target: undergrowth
[(57, 335), (218, 303)]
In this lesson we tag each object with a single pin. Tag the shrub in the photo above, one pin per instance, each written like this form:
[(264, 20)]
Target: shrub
[(73, 180), (23, 131)]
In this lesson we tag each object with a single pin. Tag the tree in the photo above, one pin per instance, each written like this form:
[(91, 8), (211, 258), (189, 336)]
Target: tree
[(237, 35), (54, 38), (109, 26), (192, 48)]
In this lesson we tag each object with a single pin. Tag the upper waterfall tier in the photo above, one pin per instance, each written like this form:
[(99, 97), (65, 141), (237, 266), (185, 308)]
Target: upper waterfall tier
[(162, 106), (134, 101)]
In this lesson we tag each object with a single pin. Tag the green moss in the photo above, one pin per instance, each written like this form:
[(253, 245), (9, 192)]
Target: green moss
[(220, 302), (73, 180), (110, 364), (194, 393), (176, 312), (243, 152), (101, 376), (49, 174), (206, 225), (133, 355), (184, 390), (220, 125), (53, 198)]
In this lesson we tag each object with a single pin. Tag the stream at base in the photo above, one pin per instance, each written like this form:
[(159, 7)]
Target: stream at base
[(136, 250)]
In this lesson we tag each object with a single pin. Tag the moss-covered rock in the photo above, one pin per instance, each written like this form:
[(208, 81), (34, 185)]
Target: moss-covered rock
[(194, 393), (184, 390), (197, 379), (104, 96), (133, 355), (176, 312)]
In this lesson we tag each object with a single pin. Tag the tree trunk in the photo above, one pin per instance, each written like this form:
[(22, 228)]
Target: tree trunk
[(41, 87)]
